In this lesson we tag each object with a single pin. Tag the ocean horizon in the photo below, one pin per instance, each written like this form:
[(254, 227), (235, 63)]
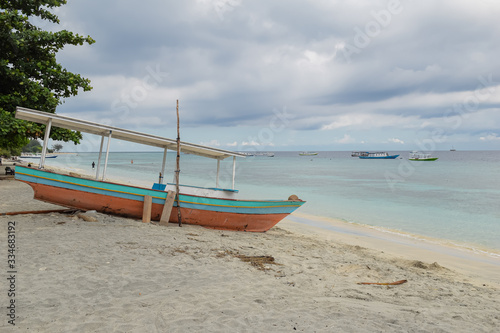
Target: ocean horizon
[(453, 200)]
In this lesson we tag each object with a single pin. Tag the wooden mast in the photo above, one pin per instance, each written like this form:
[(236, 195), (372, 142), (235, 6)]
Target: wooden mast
[(177, 172)]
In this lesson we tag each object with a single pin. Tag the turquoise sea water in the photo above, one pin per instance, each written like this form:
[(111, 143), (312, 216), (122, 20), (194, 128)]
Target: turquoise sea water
[(455, 198)]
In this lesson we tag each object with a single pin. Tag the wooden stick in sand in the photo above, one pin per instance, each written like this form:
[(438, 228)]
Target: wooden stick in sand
[(177, 172)]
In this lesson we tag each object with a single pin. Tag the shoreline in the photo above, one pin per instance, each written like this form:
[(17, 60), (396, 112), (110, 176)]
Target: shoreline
[(328, 224), (397, 236), (480, 267)]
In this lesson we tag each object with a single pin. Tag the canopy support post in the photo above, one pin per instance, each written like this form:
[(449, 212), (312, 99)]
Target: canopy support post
[(177, 172), (162, 173), (45, 143), (107, 155), (99, 159), (218, 169), (234, 169)]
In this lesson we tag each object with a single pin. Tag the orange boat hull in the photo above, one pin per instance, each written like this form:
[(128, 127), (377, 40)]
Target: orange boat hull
[(134, 209)]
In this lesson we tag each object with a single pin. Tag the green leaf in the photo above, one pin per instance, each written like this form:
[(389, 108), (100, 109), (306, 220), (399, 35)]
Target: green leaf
[(29, 73)]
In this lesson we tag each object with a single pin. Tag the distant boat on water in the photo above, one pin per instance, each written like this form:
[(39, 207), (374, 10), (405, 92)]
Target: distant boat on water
[(419, 156), (453, 149), (308, 153), (358, 153), (268, 154), (377, 155), (37, 156)]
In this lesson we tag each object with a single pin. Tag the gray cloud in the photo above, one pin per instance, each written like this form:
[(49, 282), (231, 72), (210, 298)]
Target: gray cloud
[(232, 62)]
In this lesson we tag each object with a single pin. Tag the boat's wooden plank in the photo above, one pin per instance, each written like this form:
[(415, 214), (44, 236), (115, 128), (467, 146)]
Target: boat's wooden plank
[(167, 208), (146, 213)]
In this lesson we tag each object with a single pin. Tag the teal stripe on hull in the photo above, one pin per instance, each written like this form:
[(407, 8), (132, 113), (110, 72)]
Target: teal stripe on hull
[(138, 193)]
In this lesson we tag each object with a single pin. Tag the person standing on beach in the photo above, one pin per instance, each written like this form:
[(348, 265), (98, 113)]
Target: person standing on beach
[(93, 165)]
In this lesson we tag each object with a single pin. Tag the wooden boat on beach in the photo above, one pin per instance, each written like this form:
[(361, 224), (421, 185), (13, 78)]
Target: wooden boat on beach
[(209, 210), (214, 207)]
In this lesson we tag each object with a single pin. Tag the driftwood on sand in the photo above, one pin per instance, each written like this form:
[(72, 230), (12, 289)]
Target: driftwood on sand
[(385, 283)]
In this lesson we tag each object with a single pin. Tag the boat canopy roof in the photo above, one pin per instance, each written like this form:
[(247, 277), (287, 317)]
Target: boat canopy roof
[(121, 134)]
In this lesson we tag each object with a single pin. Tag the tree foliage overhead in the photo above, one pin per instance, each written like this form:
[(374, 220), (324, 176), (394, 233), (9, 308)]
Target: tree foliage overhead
[(29, 73)]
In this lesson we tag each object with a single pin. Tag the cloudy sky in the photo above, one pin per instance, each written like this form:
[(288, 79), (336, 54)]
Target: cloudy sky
[(292, 74)]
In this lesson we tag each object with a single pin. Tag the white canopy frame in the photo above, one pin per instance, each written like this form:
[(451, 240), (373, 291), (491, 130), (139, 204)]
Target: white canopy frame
[(51, 119)]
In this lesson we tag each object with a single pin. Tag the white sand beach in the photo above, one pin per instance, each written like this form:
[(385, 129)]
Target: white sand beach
[(120, 275)]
